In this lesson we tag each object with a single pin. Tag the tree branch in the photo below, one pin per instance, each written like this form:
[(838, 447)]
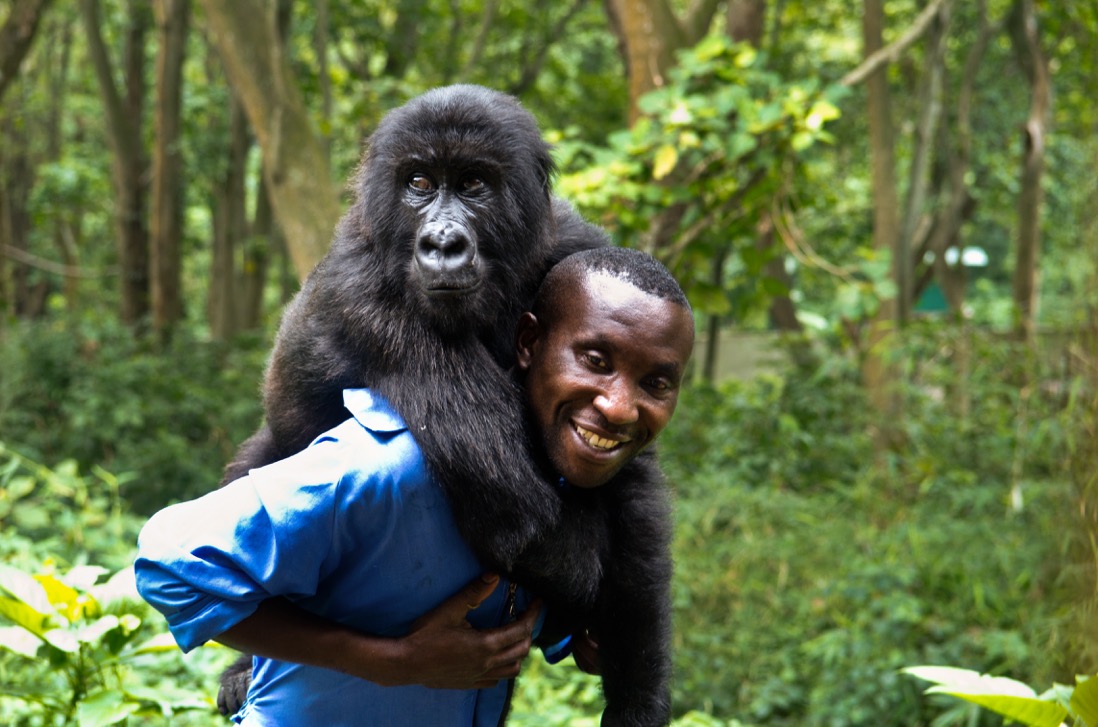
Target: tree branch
[(68, 271), (891, 52)]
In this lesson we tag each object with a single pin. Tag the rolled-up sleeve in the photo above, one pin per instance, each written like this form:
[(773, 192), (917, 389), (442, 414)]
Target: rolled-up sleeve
[(208, 563)]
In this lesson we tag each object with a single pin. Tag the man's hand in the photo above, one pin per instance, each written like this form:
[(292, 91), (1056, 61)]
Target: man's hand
[(444, 651), (585, 652)]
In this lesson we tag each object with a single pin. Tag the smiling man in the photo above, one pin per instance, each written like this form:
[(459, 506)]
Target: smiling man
[(342, 568), (602, 356)]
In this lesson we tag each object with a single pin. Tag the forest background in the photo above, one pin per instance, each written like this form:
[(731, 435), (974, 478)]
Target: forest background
[(898, 198)]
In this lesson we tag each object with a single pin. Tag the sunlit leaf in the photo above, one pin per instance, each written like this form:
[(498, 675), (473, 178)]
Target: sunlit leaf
[(1084, 701), (20, 641), (95, 631), (666, 159), (1030, 711), (62, 639), (822, 111), (680, 115), (105, 707), (1011, 698), (23, 587), (157, 644), (23, 616), (64, 598)]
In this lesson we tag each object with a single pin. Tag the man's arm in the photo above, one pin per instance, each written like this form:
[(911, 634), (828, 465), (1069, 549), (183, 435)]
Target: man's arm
[(442, 650)]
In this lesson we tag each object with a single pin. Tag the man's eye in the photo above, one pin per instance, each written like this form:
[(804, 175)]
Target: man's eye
[(659, 385), (595, 360), (421, 183)]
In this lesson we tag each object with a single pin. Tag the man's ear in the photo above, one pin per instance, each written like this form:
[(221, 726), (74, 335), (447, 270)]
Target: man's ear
[(527, 334)]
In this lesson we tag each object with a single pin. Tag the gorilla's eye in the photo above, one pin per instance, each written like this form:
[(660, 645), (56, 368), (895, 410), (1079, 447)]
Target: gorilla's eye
[(421, 183), (472, 184)]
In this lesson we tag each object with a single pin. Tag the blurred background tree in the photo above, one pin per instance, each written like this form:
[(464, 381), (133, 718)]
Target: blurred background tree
[(885, 214)]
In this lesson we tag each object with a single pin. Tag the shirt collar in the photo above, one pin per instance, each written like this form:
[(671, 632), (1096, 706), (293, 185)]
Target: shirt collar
[(372, 411)]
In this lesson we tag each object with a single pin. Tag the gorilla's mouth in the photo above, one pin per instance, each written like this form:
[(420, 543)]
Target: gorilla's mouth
[(596, 441), (451, 290)]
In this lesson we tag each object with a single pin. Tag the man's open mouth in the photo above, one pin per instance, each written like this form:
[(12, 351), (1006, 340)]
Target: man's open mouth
[(596, 441)]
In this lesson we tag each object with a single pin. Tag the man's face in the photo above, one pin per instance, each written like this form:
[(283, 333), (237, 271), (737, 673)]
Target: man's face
[(603, 379)]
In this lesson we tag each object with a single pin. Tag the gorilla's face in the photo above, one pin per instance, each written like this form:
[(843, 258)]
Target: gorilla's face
[(447, 203), (456, 189)]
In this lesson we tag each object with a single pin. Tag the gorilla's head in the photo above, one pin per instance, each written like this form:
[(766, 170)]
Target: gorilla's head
[(454, 195)]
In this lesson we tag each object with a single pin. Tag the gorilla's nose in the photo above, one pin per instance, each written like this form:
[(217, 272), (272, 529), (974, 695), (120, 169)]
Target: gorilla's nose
[(446, 252)]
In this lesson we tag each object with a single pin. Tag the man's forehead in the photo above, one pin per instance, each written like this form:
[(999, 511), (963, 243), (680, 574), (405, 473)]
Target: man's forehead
[(611, 289)]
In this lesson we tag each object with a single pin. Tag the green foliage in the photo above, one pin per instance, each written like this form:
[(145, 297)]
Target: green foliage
[(169, 418), (716, 145), (76, 648), (1016, 700), (82, 645), (807, 576)]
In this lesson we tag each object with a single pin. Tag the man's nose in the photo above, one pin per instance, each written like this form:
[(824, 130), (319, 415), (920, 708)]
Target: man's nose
[(618, 403)]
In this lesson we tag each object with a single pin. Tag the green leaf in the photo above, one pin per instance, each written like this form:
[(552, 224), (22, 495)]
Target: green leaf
[(158, 644), (23, 616), (1011, 698), (1084, 701), (1027, 710), (666, 159), (105, 707)]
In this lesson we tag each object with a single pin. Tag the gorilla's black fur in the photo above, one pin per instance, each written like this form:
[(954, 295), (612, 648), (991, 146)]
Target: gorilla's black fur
[(452, 229)]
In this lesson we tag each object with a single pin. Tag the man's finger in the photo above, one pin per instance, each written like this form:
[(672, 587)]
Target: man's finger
[(476, 591)]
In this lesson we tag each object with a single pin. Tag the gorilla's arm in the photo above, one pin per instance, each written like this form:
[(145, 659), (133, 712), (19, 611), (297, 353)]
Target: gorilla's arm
[(633, 619)]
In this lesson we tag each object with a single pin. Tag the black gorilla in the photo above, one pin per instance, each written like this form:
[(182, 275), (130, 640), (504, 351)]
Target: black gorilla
[(452, 229)]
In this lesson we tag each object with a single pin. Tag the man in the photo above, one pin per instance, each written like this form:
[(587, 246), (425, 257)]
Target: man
[(338, 566)]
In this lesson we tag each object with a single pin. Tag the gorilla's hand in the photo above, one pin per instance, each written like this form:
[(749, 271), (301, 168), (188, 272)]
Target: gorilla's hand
[(233, 686)]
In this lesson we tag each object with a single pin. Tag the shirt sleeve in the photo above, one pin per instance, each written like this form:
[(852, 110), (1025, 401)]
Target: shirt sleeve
[(208, 563)]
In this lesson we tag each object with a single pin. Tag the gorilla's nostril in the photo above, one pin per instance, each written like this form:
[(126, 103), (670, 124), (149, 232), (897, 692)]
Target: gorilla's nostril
[(445, 248)]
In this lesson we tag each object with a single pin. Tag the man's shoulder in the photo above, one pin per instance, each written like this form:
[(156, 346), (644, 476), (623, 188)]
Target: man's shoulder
[(372, 411)]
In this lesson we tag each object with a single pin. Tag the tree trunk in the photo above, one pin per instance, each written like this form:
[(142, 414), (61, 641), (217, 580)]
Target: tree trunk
[(878, 375), (746, 20), (1030, 196), (649, 33), (229, 228), (128, 156), (16, 179), (918, 188), (66, 223), (255, 261), (167, 170), (296, 169), (16, 37)]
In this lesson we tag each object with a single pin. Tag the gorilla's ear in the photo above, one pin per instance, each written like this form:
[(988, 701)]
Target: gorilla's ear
[(547, 170)]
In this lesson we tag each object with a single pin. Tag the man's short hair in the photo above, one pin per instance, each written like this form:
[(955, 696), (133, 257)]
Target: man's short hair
[(639, 269)]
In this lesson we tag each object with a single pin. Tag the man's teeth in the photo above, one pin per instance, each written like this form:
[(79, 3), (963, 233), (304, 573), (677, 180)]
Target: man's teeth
[(595, 440)]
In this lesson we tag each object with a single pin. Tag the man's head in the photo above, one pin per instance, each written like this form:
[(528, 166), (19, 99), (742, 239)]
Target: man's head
[(603, 354)]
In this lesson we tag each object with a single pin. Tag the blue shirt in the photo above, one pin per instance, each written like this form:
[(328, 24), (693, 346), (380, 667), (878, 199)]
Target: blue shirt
[(352, 528)]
